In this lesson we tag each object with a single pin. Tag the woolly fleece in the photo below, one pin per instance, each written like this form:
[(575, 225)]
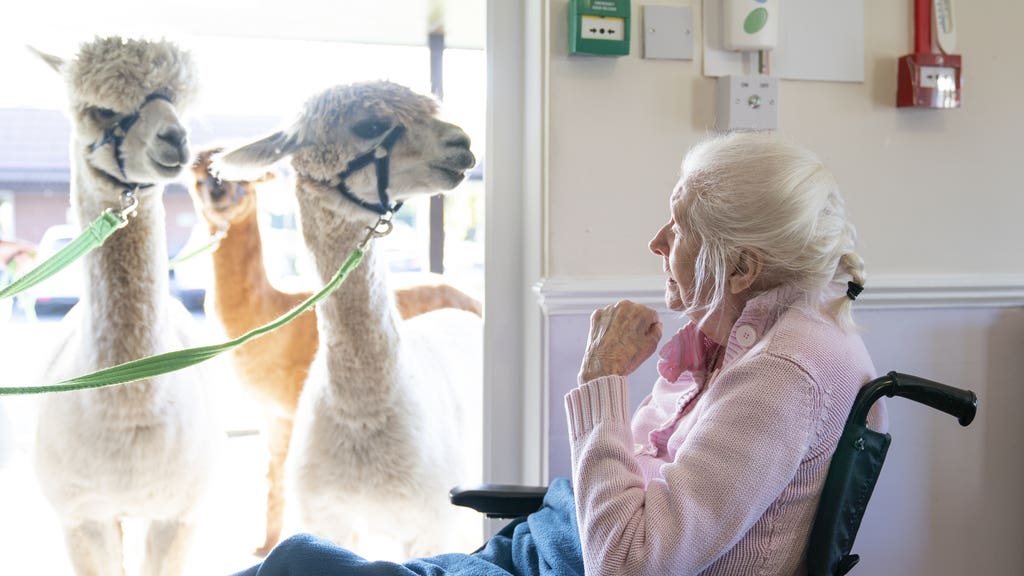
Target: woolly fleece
[(118, 74)]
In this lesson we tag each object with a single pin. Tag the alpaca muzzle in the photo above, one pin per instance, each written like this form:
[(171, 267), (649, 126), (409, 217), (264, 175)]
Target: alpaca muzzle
[(380, 157), (116, 134)]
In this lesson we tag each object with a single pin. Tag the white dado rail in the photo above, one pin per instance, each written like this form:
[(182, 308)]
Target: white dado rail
[(560, 296)]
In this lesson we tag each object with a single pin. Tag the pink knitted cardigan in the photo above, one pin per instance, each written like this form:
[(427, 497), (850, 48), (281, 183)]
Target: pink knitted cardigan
[(718, 474)]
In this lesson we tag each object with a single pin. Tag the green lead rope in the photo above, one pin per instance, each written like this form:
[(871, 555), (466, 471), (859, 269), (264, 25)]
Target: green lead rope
[(93, 236), (171, 361), (212, 244)]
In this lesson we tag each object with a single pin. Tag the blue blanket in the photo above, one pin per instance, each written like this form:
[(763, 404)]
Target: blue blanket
[(545, 543)]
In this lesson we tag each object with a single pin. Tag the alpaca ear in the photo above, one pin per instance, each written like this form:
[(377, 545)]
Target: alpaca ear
[(249, 162), (55, 62)]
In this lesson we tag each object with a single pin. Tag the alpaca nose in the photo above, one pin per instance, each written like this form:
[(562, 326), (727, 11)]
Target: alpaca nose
[(216, 188), (173, 135), (457, 144), (177, 138), (459, 139)]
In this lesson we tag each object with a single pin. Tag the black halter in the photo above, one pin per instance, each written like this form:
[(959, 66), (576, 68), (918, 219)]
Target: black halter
[(116, 134), (379, 155)]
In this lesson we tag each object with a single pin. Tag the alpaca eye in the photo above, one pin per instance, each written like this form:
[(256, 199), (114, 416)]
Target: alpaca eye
[(104, 114), (371, 128)]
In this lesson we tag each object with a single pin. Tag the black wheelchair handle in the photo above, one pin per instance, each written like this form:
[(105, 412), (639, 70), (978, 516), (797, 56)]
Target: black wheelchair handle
[(963, 404)]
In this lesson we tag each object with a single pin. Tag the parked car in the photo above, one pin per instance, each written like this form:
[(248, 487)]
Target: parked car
[(57, 294), (189, 279)]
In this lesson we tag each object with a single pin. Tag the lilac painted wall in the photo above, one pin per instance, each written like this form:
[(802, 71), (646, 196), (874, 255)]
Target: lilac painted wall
[(949, 500)]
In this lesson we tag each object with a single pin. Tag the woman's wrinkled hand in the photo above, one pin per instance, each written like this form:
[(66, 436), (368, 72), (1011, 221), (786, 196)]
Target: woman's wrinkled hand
[(622, 336)]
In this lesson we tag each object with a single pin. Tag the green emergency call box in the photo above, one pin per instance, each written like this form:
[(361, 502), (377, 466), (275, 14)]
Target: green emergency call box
[(599, 27)]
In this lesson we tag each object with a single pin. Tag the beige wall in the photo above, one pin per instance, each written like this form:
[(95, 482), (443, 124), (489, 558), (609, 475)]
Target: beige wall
[(938, 200), (934, 192)]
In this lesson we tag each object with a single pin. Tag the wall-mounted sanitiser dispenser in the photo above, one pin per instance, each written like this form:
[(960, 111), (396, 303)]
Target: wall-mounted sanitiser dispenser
[(750, 24)]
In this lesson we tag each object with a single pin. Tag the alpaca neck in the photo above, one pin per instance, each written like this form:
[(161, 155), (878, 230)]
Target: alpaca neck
[(358, 322), (125, 289), (240, 284)]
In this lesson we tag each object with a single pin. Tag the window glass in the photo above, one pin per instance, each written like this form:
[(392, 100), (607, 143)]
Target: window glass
[(250, 86)]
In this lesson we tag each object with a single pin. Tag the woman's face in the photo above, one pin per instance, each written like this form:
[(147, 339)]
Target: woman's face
[(678, 249)]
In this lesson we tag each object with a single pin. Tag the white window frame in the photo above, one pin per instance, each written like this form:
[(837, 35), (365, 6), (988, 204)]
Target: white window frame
[(515, 398)]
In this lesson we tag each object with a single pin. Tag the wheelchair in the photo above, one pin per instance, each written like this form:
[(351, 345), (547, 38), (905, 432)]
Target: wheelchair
[(851, 479)]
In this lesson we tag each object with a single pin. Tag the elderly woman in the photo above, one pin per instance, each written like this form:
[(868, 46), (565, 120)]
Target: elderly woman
[(722, 465)]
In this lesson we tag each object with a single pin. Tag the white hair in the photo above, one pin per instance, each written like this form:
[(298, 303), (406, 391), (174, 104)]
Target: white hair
[(758, 192)]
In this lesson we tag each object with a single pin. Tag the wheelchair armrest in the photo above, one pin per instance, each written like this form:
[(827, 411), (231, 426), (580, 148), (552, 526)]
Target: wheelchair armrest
[(499, 500)]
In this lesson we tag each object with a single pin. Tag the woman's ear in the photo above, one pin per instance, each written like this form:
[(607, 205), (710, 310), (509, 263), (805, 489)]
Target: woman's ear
[(746, 271)]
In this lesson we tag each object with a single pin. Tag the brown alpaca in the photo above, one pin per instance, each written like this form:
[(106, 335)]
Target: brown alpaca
[(274, 367)]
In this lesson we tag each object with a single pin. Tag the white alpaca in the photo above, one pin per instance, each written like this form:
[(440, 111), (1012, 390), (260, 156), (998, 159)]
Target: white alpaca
[(275, 366), (141, 450), (382, 432)]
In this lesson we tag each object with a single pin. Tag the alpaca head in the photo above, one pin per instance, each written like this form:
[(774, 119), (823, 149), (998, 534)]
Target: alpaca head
[(346, 122), (222, 201), (125, 97)]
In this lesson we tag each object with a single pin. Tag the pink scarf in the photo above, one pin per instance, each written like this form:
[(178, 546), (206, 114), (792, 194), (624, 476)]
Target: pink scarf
[(684, 363)]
